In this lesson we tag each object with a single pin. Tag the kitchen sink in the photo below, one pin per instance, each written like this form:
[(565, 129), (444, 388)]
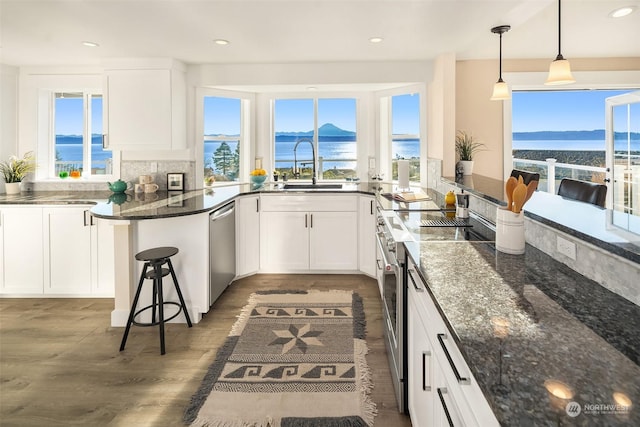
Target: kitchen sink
[(311, 186)]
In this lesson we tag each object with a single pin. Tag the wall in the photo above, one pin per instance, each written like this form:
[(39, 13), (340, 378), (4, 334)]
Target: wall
[(477, 114), (8, 114)]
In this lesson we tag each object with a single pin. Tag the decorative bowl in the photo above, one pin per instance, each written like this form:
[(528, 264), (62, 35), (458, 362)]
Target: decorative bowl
[(258, 179)]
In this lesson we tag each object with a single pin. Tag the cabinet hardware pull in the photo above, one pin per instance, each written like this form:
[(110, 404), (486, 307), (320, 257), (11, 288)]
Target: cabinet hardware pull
[(105, 141), (414, 282), (305, 221), (311, 221), (425, 387), (378, 264), (257, 205), (441, 392), (461, 380), (84, 219), (371, 203)]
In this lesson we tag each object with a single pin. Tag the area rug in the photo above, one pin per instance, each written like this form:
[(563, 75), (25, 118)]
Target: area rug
[(292, 359)]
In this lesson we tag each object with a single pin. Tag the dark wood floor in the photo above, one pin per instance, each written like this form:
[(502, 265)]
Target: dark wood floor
[(60, 364)]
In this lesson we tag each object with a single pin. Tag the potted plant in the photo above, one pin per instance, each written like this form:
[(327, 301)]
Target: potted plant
[(14, 170), (466, 147)]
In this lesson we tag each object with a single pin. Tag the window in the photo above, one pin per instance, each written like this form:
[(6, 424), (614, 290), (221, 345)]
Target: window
[(297, 122), (560, 134), (222, 135), (78, 136), (405, 134)]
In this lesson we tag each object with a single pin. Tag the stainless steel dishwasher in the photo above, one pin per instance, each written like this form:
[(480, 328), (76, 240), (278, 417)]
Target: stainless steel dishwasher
[(222, 250)]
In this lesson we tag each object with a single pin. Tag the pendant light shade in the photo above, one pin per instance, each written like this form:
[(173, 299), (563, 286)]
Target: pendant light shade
[(500, 89), (560, 69)]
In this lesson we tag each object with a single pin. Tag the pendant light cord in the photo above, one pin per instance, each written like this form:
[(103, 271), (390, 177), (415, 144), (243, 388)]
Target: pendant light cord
[(500, 76), (559, 57)]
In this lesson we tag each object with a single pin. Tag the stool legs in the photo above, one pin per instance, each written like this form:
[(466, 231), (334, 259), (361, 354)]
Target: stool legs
[(157, 283), (133, 307)]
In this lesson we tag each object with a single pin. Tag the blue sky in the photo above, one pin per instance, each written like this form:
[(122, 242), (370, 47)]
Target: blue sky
[(568, 110), (69, 116)]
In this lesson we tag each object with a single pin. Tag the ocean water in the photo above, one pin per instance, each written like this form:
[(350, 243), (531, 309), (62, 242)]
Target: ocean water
[(584, 145), (73, 152)]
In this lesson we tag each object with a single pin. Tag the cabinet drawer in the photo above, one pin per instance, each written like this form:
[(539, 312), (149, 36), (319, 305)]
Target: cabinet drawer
[(307, 203)]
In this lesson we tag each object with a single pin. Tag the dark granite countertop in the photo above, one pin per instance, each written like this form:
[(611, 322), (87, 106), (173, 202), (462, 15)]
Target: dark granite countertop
[(561, 326)]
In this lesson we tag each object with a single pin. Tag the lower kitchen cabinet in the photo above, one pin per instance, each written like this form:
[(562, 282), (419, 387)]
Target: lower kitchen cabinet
[(308, 233), (367, 235), (21, 250), (247, 235), (57, 250), (442, 390)]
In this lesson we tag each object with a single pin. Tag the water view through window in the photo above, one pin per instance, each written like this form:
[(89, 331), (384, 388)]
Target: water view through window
[(222, 118)]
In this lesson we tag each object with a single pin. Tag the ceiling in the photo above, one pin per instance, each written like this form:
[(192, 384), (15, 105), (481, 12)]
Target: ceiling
[(50, 32)]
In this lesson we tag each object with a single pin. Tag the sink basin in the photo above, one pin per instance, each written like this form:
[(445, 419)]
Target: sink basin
[(311, 186)]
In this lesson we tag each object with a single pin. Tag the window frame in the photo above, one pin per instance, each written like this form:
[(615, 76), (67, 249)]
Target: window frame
[(316, 98)]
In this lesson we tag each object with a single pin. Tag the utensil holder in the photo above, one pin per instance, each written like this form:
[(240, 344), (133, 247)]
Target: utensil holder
[(510, 231)]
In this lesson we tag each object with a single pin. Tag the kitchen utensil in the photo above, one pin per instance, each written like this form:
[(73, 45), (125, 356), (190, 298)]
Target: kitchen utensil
[(462, 205), (118, 186), (519, 194), (509, 187), (531, 188)]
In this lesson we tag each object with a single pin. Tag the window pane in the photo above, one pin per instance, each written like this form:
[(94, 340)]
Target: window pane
[(566, 125), (405, 129), (337, 146), (101, 160), (293, 122), (68, 130), (222, 118)]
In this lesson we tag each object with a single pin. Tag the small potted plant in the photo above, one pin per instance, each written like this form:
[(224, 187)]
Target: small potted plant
[(466, 147), (14, 170)]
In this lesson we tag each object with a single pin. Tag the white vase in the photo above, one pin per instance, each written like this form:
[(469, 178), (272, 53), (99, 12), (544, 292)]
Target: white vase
[(12, 187), (467, 167)]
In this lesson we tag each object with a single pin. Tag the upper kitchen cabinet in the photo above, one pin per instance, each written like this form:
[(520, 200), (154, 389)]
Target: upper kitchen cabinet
[(145, 105)]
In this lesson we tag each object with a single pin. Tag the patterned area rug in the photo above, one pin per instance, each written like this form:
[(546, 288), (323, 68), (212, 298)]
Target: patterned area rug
[(293, 358)]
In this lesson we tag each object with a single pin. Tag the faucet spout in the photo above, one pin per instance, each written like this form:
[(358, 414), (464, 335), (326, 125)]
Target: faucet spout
[(296, 172)]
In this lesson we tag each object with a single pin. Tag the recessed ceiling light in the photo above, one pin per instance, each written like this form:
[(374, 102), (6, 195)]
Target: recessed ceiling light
[(90, 44), (221, 42), (312, 88), (622, 11), (376, 39)]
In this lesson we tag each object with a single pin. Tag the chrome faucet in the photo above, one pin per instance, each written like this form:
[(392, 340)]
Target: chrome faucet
[(296, 172)]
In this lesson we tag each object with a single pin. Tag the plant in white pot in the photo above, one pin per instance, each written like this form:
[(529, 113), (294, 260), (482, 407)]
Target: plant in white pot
[(15, 169), (466, 147)]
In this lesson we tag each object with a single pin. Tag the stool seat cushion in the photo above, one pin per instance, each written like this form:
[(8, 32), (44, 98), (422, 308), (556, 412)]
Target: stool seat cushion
[(156, 253)]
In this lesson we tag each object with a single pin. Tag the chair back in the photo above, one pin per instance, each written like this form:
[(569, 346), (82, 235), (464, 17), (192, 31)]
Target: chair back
[(527, 177), (583, 191)]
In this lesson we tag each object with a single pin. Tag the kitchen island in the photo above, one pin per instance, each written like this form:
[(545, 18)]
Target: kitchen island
[(526, 325)]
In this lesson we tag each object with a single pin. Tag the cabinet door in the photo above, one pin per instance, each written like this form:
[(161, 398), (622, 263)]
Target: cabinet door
[(21, 250), (103, 264), (248, 235), (284, 241), (421, 372), (68, 237), (367, 236), (333, 241), (138, 109)]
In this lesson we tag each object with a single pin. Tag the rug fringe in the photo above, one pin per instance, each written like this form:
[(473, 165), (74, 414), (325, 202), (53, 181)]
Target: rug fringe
[(244, 315), (226, 422), (369, 408)]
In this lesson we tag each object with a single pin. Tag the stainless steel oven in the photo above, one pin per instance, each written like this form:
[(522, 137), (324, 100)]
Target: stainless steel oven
[(391, 276)]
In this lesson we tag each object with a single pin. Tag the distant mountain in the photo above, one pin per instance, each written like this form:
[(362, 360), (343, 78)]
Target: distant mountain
[(327, 129), (96, 138), (570, 135)]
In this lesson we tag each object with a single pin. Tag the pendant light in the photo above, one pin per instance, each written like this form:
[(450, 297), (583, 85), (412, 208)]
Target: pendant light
[(559, 70), (500, 89)]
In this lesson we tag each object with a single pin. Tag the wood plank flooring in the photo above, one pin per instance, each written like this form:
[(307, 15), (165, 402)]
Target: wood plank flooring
[(60, 364)]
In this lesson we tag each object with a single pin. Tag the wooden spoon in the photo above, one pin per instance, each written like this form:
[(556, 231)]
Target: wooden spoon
[(509, 187), (531, 188), (519, 194)]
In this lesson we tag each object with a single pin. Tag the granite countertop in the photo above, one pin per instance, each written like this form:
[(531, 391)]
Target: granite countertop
[(561, 326)]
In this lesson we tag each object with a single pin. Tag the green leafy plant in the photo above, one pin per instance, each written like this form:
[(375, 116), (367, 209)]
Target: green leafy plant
[(15, 169), (466, 147)]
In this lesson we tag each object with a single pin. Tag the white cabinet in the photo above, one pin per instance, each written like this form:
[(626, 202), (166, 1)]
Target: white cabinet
[(442, 389), (145, 106), (21, 250), (308, 233), (69, 248), (367, 236), (56, 251), (248, 235)]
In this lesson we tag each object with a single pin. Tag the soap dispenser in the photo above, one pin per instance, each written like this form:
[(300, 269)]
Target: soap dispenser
[(462, 205)]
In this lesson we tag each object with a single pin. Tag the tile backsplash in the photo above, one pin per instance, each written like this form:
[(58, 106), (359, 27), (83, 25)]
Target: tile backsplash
[(131, 170)]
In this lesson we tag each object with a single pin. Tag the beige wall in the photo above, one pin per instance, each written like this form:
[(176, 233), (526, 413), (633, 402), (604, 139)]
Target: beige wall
[(478, 115)]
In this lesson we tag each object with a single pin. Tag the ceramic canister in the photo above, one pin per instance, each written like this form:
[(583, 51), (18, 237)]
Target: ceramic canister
[(510, 231)]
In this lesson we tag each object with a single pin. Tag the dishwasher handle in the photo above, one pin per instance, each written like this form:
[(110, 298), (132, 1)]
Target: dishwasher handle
[(224, 211)]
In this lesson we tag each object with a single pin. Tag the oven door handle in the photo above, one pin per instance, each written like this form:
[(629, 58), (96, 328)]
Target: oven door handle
[(387, 265), (413, 280)]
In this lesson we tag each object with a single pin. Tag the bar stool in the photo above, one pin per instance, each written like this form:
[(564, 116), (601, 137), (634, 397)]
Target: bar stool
[(155, 259)]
